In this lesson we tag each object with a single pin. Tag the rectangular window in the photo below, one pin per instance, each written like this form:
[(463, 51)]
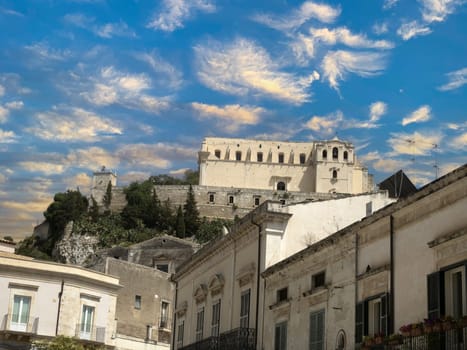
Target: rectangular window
[(20, 316), (245, 309), (164, 315), (256, 200), (87, 320), (163, 267), (138, 302), (238, 155), (302, 158), (217, 153), (282, 294), (216, 317), (281, 158), (180, 331), (374, 316), (369, 208), (371, 317), (211, 197), (259, 156), (199, 324), (455, 292), (231, 199), (280, 336), (317, 330), (318, 280)]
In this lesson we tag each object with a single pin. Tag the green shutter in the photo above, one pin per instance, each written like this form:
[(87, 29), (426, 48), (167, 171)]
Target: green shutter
[(434, 281)]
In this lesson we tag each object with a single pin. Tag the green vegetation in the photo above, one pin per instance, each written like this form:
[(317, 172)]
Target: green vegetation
[(65, 343), (143, 217), (8, 238)]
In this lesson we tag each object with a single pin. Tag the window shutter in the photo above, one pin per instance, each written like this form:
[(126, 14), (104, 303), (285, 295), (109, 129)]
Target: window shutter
[(359, 323), (434, 281), (384, 313), (316, 340), (284, 337)]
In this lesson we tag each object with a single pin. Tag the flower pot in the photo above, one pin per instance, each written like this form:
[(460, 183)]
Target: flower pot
[(428, 329)]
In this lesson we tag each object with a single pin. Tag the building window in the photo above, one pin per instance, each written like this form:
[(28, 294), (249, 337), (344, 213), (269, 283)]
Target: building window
[(318, 280), (346, 156), (259, 156), (256, 199), (334, 174), (281, 186), (371, 317), (231, 199), (199, 324), (87, 319), (302, 158), (452, 284), (216, 317), (163, 267), (217, 153), (281, 157), (211, 197), (316, 338), (335, 153), (325, 154), (164, 323), (20, 316), (138, 302), (238, 155), (282, 294), (280, 336), (180, 331), (369, 208), (245, 309)]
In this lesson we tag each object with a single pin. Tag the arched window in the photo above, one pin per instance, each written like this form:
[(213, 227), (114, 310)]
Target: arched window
[(346, 155), (335, 153), (281, 157), (238, 155), (231, 199), (340, 340), (281, 186), (217, 153), (302, 158), (325, 154), (334, 174)]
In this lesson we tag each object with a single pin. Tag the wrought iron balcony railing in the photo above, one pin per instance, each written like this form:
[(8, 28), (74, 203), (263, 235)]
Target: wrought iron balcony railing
[(30, 325), (88, 332), (236, 339)]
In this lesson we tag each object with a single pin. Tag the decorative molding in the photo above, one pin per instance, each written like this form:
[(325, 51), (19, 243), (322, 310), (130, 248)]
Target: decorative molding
[(181, 310), (22, 286), (89, 297), (200, 293), (216, 284), (246, 274)]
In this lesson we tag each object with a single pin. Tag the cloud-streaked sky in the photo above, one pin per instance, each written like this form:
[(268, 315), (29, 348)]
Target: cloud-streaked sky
[(135, 85)]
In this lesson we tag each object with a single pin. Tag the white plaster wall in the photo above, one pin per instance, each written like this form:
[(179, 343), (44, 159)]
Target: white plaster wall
[(414, 260)]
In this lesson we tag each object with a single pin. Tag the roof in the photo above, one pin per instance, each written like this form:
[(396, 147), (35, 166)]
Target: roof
[(398, 185), (438, 184), (5, 241)]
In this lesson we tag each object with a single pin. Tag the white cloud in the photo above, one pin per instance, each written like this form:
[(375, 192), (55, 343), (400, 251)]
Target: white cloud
[(7, 136), (2, 90), (233, 115), (107, 30), (337, 64), (92, 158), (81, 180), (73, 124), (325, 125), (3, 178), (448, 167), (243, 68), (389, 165), (377, 110), (380, 28), (456, 79), (342, 35), (11, 12), (44, 52), (42, 167), (133, 176), (167, 74), (4, 113), (438, 10), (297, 17), (422, 114), (412, 29), (370, 156), (459, 142), (175, 12), (389, 4), (114, 87), (414, 144), (14, 105)]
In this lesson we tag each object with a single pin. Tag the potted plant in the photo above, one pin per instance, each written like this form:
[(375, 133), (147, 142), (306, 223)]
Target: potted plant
[(448, 323), (416, 329), (437, 325), (428, 325), (405, 330)]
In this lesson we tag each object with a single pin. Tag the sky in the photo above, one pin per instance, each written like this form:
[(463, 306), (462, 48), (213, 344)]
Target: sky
[(135, 85)]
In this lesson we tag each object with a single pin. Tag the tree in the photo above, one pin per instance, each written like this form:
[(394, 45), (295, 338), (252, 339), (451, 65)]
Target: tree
[(191, 177), (94, 210), (107, 200), (180, 223), (191, 213), (64, 343), (8, 238), (210, 230)]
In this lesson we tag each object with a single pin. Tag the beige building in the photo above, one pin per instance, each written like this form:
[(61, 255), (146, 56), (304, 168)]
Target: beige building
[(323, 166), (40, 300), (399, 266), (218, 289)]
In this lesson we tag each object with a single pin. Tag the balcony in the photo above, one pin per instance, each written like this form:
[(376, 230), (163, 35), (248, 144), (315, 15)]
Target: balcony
[(236, 339), (90, 333), (164, 331), (28, 326), (452, 339)]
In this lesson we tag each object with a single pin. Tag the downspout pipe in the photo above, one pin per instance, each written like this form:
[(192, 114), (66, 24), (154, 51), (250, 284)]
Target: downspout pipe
[(174, 322), (59, 306), (258, 279), (391, 288)]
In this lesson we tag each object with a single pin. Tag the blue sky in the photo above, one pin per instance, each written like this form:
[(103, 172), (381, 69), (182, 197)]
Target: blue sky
[(135, 85)]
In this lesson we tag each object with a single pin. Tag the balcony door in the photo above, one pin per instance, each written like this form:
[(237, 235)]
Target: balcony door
[(87, 318), (20, 316)]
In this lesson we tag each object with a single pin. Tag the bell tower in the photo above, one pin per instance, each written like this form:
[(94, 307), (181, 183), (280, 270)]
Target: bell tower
[(100, 181)]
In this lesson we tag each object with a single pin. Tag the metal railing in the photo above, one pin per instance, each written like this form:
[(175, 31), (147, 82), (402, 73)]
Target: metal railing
[(91, 333), (30, 326), (453, 339), (236, 339)]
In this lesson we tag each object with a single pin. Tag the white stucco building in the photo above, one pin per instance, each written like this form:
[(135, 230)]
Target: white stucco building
[(321, 166), (218, 289), (40, 300)]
